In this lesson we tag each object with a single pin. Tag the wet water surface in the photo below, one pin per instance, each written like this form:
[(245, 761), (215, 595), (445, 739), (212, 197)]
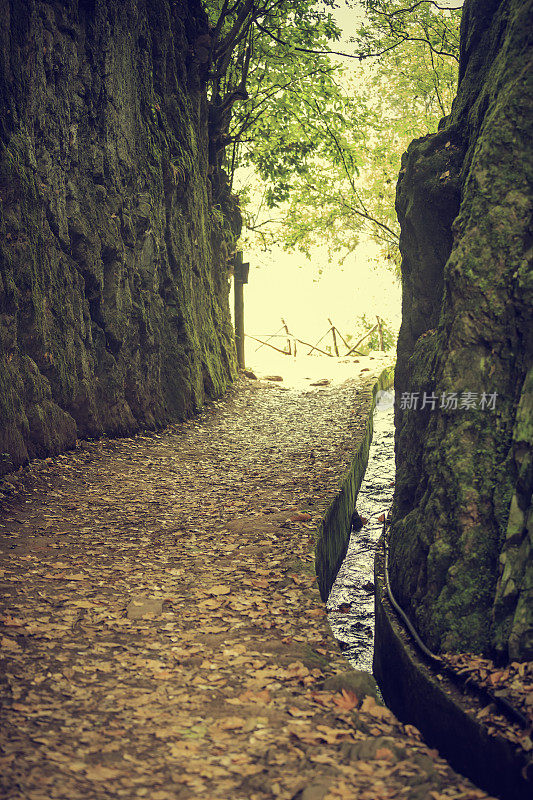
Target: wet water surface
[(351, 601)]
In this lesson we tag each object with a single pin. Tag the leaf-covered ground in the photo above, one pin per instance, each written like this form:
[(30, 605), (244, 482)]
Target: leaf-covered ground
[(163, 636), (513, 683)]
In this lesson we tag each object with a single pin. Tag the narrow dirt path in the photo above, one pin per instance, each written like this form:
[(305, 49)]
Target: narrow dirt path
[(163, 636)]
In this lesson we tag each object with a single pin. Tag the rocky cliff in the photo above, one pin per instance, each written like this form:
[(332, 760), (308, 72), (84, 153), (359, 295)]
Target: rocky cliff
[(462, 524), (113, 275)]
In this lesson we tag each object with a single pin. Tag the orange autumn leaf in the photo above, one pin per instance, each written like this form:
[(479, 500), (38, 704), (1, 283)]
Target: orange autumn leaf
[(346, 700), (384, 754)]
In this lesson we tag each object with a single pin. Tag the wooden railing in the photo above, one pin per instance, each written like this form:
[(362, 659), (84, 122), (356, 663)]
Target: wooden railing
[(292, 341)]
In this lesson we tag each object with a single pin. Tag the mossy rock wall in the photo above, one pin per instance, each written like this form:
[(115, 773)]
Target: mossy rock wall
[(461, 532), (114, 310)]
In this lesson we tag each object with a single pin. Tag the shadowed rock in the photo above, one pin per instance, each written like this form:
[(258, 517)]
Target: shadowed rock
[(461, 543)]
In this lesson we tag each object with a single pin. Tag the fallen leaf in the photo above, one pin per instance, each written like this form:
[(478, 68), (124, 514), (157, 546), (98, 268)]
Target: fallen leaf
[(300, 712), (316, 612), (210, 604), (369, 706), (219, 589), (10, 644), (332, 735), (98, 773), (263, 697), (346, 700), (383, 753), (232, 723)]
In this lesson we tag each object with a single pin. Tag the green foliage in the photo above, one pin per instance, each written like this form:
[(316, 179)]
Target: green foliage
[(364, 324), (400, 95), (217, 215), (389, 24), (313, 147), (263, 60), (372, 343)]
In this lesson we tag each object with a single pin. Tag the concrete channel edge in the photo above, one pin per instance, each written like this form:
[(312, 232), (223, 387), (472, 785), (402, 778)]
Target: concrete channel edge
[(445, 716), (333, 532)]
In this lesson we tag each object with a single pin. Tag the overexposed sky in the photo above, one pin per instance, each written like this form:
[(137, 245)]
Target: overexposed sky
[(288, 285)]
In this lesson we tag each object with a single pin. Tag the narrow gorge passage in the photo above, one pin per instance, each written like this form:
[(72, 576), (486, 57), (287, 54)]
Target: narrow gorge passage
[(162, 633)]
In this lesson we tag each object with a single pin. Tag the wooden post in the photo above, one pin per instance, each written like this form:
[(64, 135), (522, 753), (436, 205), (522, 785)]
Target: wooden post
[(380, 333), (337, 331), (240, 277), (334, 333), (288, 334), (359, 341), (239, 321)]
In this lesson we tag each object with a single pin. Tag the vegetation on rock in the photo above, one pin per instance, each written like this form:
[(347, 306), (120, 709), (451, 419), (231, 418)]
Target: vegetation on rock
[(461, 545), (113, 275)]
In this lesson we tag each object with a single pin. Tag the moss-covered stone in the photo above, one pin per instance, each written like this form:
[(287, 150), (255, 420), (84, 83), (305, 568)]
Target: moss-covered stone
[(460, 543), (355, 680), (114, 307)]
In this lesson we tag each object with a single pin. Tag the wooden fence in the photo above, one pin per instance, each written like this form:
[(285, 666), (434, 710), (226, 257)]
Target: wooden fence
[(292, 341)]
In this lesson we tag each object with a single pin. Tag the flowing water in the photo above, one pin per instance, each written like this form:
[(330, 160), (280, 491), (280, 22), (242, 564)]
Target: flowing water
[(351, 601)]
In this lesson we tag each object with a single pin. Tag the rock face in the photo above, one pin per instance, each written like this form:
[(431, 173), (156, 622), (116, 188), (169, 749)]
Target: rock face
[(113, 277), (462, 524)]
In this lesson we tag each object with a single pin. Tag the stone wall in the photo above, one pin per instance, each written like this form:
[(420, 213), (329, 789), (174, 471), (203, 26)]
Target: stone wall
[(113, 278), (461, 537)]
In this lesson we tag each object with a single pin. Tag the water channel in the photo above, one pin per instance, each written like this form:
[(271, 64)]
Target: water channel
[(351, 601)]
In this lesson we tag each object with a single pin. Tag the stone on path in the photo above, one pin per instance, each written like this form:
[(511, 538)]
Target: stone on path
[(141, 606), (361, 683), (316, 791)]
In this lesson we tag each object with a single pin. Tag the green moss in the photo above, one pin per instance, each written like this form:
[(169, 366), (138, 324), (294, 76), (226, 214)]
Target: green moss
[(115, 267), (460, 549), (357, 681)]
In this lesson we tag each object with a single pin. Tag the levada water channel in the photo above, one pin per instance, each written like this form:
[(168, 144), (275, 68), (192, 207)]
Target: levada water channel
[(351, 601)]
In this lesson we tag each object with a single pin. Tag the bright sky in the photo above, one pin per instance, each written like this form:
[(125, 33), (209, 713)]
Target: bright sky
[(288, 285)]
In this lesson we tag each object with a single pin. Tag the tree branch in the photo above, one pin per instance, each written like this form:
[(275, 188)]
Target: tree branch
[(315, 52), (415, 6), (249, 120), (372, 219)]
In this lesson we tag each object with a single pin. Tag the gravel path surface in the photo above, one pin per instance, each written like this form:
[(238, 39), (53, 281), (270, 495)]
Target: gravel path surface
[(162, 633)]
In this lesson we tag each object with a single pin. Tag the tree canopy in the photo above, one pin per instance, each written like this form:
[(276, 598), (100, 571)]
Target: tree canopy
[(320, 123)]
